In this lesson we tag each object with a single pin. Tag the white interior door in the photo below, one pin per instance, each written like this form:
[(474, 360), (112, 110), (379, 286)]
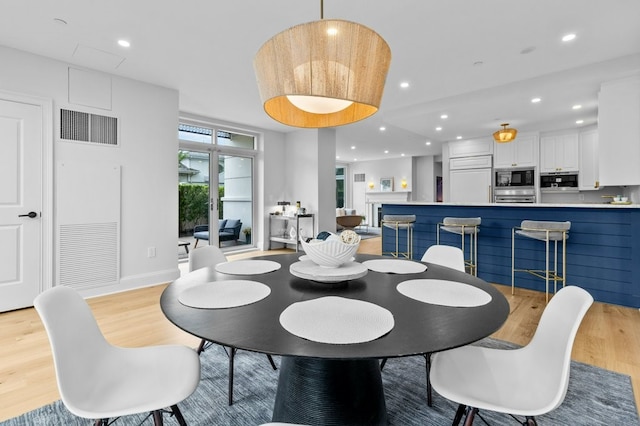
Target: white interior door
[(21, 130)]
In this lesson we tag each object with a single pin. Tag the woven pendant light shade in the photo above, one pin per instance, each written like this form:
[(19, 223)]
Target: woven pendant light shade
[(505, 135), (322, 74)]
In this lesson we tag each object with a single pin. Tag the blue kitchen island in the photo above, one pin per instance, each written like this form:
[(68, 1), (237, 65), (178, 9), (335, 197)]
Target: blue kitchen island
[(603, 249)]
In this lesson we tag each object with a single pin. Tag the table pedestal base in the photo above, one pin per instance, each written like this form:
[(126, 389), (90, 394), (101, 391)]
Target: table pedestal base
[(330, 392)]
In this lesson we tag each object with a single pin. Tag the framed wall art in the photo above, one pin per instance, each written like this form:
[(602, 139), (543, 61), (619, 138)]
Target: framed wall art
[(386, 184)]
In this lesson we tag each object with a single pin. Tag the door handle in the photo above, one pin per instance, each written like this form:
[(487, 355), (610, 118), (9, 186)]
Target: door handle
[(30, 214)]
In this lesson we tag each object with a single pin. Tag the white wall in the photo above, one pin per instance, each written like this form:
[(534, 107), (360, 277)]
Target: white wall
[(148, 116), (310, 174), (397, 168), (424, 183), (272, 187)]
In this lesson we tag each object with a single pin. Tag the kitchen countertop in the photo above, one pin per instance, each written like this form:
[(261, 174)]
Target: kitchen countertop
[(569, 205)]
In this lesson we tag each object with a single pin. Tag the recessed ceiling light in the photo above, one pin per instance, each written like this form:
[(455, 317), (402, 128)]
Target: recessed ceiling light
[(124, 43), (353, 147), (535, 100), (386, 151), (444, 116), (355, 159), (458, 137), (438, 129), (382, 128), (402, 155), (576, 107), (568, 37), (404, 84), (428, 143), (337, 157), (579, 121)]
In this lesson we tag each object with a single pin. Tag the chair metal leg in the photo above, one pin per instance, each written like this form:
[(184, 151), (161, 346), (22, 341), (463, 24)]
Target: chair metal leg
[(273, 364), (471, 414), (157, 418), (176, 412), (459, 412), (201, 346), (427, 358), (382, 363)]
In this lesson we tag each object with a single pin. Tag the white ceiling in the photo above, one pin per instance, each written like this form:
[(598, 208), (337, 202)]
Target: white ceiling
[(205, 49)]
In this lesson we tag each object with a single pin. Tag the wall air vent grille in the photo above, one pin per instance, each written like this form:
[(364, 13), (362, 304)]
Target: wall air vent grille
[(86, 127), (88, 254), (358, 177)]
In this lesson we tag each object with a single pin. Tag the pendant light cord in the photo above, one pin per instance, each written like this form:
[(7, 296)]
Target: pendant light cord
[(321, 9)]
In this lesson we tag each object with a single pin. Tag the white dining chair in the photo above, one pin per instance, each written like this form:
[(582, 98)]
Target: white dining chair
[(527, 382), (205, 256), (449, 256), (210, 256), (100, 381)]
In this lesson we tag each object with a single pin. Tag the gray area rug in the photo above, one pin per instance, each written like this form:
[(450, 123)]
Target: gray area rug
[(368, 232), (595, 397)]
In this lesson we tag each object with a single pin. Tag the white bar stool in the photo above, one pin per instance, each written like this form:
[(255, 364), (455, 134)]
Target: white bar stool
[(544, 231), (397, 223), (463, 226)]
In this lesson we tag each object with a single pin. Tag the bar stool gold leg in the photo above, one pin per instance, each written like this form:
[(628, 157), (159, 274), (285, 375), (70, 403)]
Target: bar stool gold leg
[(547, 232), (513, 259)]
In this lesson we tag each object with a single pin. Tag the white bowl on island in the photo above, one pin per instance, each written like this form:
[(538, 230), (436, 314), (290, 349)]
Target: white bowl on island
[(332, 252)]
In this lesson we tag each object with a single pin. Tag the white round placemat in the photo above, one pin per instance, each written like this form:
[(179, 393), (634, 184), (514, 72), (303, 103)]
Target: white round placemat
[(248, 267), (445, 293), (224, 294), (337, 320), (395, 266), (310, 270)]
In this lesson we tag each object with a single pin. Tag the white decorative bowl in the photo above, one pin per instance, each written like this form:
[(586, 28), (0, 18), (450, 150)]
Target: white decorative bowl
[(329, 253)]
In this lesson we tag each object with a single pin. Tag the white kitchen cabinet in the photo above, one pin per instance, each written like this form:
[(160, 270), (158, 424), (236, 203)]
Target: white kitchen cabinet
[(471, 147), (521, 152), (619, 132), (559, 153), (588, 177), (470, 185)]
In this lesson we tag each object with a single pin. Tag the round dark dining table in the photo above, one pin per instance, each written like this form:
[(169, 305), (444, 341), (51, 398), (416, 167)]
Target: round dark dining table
[(322, 383)]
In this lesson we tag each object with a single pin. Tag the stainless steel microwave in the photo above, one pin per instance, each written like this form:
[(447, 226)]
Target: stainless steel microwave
[(559, 182), (510, 178)]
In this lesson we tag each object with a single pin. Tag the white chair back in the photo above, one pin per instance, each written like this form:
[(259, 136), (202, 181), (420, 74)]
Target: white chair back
[(449, 256), (203, 257), (550, 349), (76, 341)]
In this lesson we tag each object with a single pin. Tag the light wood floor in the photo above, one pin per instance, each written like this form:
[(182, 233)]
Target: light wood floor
[(609, 337)]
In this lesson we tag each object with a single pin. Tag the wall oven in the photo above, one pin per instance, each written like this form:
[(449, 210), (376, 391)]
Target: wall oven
[(559, 182), (515, 178), (515, 195), (515, 186)]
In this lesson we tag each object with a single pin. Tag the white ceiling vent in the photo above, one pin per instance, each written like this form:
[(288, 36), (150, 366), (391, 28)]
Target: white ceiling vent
[(87, 127), (358, 177)]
